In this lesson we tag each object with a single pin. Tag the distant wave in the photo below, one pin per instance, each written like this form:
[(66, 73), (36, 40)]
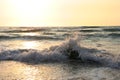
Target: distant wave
[(5, 37), (24, 30), (62, 53), (90, 30), (114, 35), (91, 27), (112, 29), (107, 35)]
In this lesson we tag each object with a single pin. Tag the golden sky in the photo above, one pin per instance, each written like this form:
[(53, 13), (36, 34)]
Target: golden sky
[(59, 12)]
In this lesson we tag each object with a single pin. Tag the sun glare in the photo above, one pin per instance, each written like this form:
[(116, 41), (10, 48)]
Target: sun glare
[(59, 12), (30, 45), (29, 12), (30, 34), (30, 7)]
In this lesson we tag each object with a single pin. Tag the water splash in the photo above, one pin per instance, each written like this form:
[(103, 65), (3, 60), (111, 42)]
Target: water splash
[(61, 53)]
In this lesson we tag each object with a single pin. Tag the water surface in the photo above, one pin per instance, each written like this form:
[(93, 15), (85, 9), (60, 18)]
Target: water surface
[(34, 53)]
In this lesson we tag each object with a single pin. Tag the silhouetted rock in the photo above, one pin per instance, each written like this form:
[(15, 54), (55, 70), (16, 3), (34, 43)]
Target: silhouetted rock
[(73, 54)]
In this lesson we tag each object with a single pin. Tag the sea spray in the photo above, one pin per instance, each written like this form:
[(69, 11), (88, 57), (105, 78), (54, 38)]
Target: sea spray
[(61, 53), (54, 53)]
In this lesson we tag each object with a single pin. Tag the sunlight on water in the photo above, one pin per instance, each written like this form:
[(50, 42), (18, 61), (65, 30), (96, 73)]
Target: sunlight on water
[(30, 72), (42, 54), (11, 70), (37, 45), (30, 34), (30, 44), (18, 71), (23, 44), (21, 71)]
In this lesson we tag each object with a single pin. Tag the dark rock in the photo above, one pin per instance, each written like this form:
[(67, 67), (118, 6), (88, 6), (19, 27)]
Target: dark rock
[(9, 58), (73, 54)]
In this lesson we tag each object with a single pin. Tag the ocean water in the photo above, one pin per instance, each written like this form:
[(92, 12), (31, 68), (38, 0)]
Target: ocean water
[(44, 53)]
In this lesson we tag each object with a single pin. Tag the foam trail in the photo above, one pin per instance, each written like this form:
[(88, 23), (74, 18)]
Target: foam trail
[(61, 53)]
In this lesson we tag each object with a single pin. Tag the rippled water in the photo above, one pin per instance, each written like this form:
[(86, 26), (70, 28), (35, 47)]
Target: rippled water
[(33, 53)]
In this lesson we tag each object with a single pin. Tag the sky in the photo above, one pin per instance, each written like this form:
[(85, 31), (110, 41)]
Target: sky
[(59, 12)]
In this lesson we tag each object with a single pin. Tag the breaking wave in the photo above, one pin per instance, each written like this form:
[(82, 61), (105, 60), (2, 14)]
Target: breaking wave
[(67, 51)]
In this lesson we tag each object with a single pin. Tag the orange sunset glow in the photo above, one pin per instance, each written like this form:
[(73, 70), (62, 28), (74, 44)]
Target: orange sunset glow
[(59, 12)]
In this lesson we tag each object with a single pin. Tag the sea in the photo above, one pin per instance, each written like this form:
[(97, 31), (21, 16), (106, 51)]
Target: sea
[(60, 53)]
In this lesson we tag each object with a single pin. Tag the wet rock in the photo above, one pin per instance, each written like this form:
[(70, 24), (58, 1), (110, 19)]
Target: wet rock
[(73, 54)]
